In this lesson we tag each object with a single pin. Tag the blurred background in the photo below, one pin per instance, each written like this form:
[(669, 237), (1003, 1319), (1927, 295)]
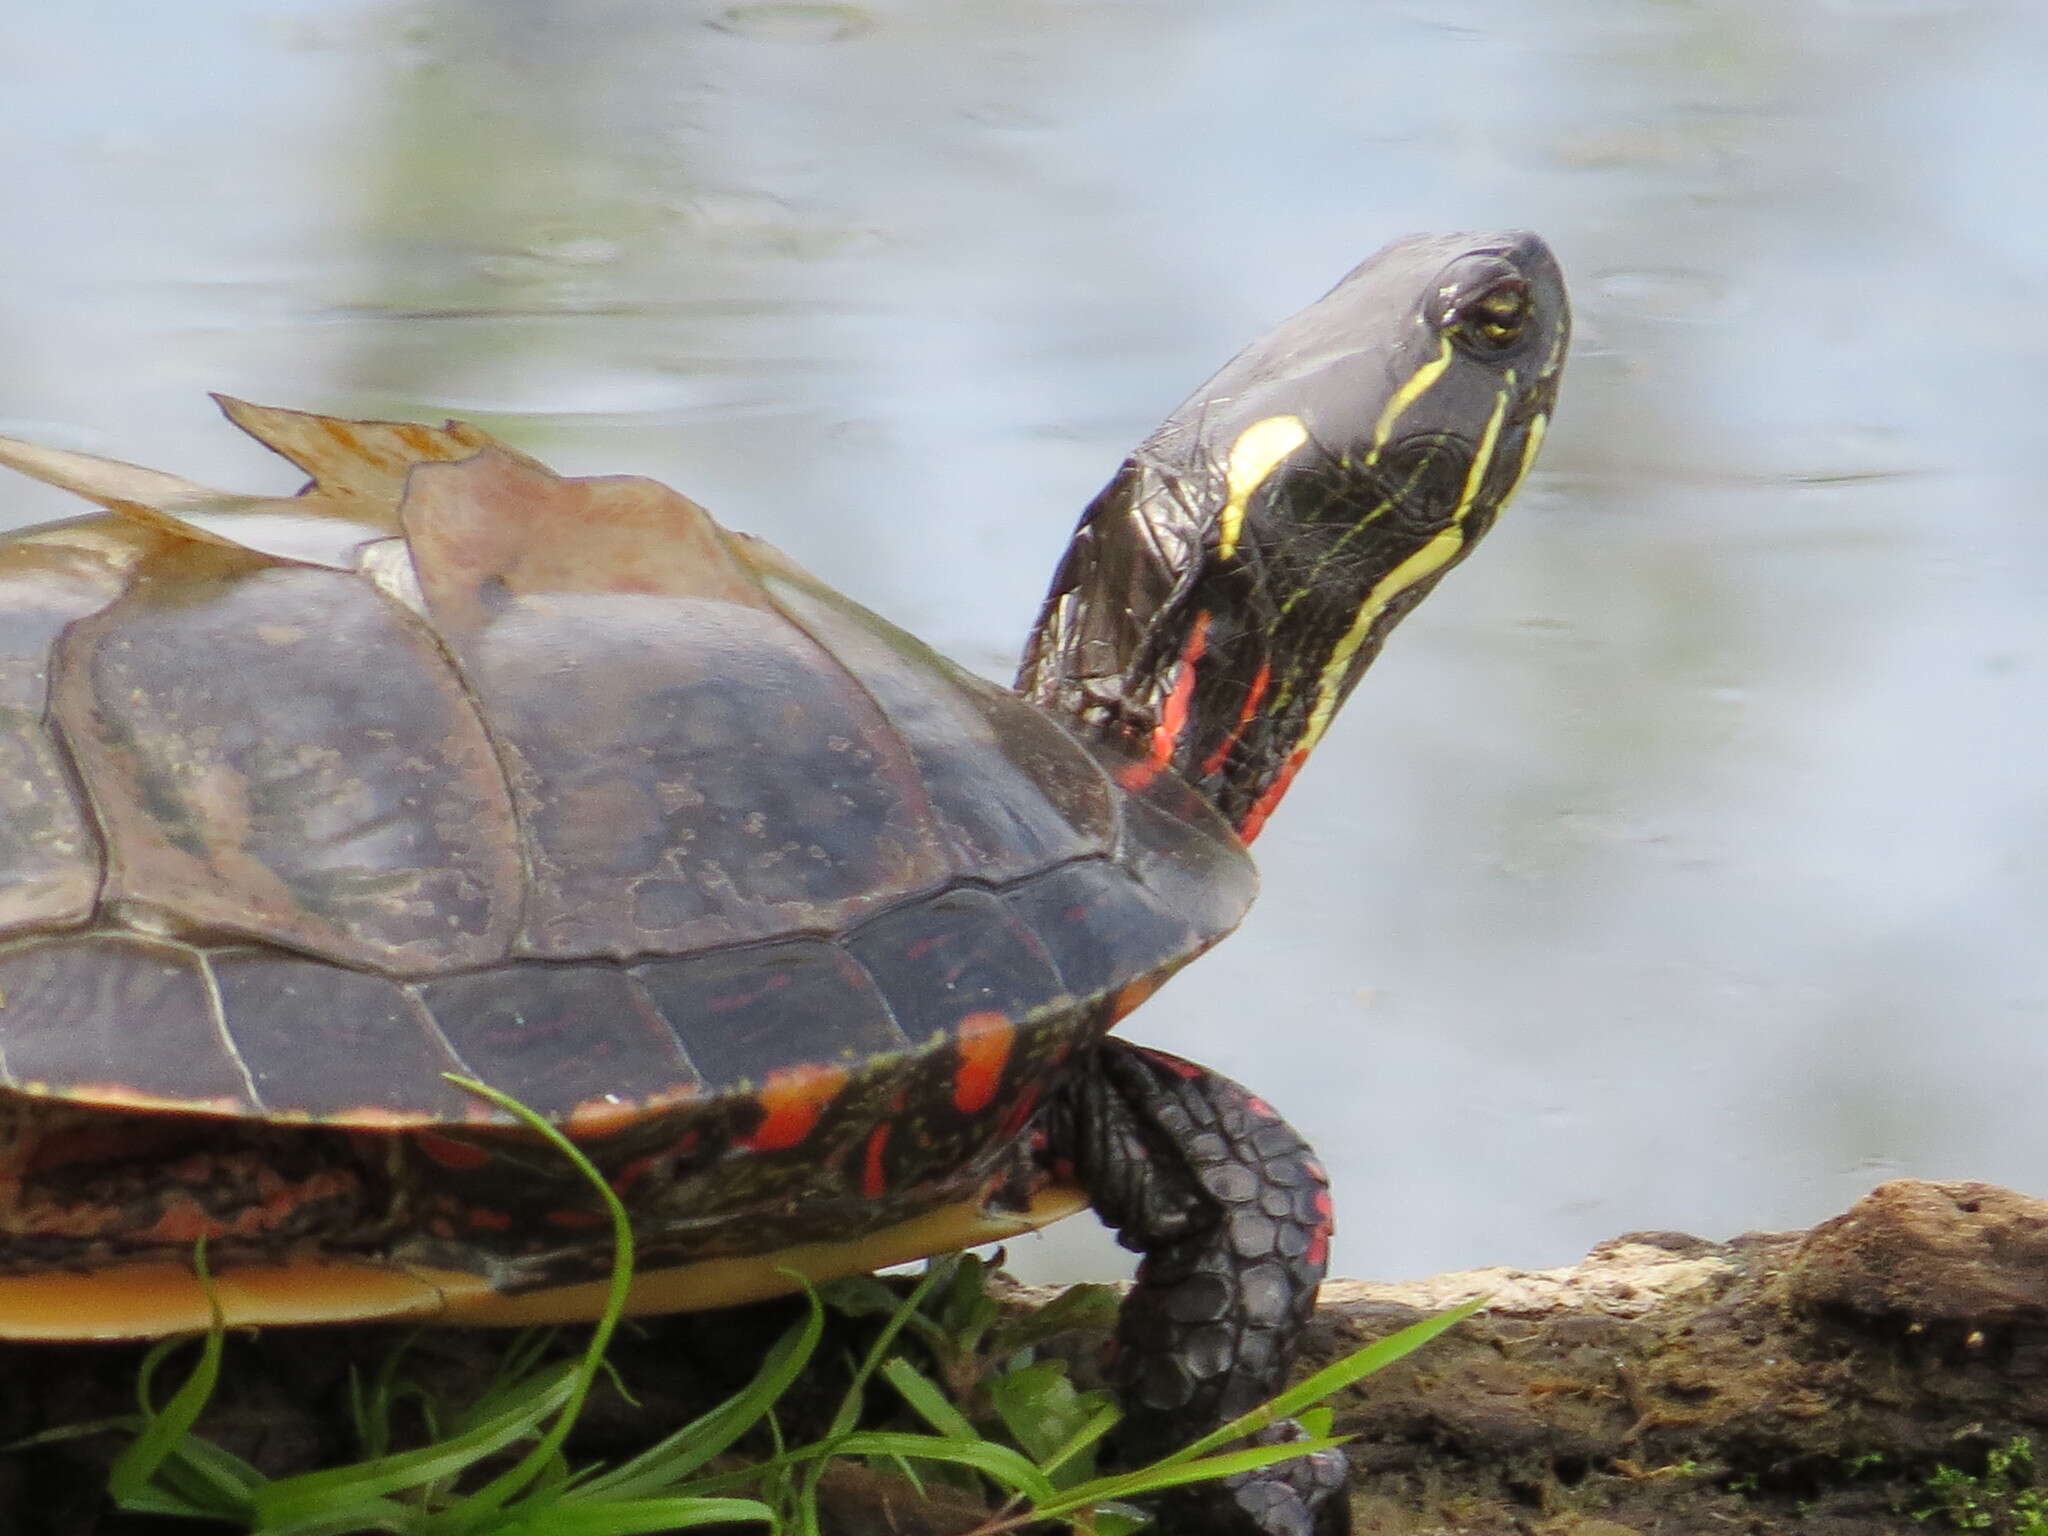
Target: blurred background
[(1680, 865)]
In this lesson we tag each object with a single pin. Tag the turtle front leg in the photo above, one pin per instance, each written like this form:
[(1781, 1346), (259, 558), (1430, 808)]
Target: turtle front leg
[(1232, 1214)]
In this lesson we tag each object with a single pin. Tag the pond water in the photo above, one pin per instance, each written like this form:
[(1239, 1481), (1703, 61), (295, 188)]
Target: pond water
[(1680, 864)]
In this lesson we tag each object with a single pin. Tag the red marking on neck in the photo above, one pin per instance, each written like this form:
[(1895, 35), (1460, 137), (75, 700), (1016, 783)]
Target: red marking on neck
[(1214, 762), (1255, 818), (1173, 717)]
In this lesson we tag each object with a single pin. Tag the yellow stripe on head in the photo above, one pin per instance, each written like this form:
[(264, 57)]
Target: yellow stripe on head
[(1538, 424), (1256, 454), (1482, 456), (1439, 552), (1419, 384)]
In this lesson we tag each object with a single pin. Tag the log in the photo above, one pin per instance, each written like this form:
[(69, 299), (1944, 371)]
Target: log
[(1808, 1382)]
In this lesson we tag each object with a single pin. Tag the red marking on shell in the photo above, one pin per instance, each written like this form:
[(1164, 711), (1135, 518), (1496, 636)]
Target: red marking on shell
[(1257, 1106), (1020, 1113), (490, 1221), (1129, 997), (593, 1118), (183, 1220), (573, 1218), (1255, 818), (1215, 761), (984, 1046), (100, 1142), (874, 1175), (631, 1173), (792, 1100), (448, 1151), (747, 997)]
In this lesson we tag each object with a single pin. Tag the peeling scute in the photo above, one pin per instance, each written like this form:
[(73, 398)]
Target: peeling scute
[(49, 854), (1012, 791), (359, 463), (690, 769), (307, 531), (283, 754)]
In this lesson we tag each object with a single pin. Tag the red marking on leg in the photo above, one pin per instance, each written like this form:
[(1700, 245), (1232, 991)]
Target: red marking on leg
[(874, 1176), (1187, 1071), (791, 1101), (1319, 1240), (490, 1221), (574, 1218), (984, 1046), (1214, 762), (1255, 818)]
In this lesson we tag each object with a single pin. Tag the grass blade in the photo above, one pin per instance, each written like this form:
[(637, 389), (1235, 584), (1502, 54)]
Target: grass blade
[(139, 1463)]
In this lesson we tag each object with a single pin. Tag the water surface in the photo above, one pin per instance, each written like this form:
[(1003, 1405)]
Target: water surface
[(1680, 865)]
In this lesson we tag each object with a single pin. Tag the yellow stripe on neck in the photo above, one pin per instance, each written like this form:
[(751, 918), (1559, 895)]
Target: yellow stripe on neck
[(1256, 454), (1439, 552)]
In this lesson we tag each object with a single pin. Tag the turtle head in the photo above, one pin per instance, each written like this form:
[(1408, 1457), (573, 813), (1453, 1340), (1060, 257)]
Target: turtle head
[(1226, 589)]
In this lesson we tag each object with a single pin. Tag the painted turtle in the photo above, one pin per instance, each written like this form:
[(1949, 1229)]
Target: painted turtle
[(449, 765)]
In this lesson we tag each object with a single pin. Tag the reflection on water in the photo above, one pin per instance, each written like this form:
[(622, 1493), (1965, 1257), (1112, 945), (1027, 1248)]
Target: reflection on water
[(1681, 865)]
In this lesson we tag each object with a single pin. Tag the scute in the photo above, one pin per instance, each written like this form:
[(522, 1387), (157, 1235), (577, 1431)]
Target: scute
[(559, 1037), (744, 1013), (49, 853), (280, 752), (1012, 791), (338, 1045), (116, 1021)]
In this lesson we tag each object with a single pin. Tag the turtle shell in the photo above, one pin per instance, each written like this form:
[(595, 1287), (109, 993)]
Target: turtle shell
[(453, 767)]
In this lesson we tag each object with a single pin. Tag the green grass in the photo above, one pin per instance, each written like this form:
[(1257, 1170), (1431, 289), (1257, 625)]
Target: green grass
[(989, 1418), (2003, 1498)]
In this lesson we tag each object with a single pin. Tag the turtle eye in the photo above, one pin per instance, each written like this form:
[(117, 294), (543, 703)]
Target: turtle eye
[(1483, 304)]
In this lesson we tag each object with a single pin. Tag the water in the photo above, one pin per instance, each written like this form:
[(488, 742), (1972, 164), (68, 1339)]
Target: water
[(1679, 867)]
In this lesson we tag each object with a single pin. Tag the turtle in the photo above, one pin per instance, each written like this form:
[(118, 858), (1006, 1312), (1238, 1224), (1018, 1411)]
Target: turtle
[(449, 767)]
